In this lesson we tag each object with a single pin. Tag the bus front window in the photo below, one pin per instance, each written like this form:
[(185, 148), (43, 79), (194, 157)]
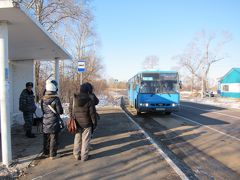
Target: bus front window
[(156, 87), (169, 86)]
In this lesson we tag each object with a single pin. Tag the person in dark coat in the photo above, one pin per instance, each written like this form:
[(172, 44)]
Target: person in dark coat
[(84, 112), (91, 94), (51, 125), (28, 107)]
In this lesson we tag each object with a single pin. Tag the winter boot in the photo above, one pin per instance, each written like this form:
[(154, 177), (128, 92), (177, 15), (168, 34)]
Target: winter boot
[(29, 134)]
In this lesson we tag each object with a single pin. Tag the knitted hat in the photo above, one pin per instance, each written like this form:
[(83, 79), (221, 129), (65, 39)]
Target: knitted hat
[(51, 85)]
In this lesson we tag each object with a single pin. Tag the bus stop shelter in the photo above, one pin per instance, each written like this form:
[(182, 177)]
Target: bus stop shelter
[(22, 41)]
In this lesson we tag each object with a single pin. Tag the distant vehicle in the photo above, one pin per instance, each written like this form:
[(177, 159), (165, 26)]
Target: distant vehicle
[(208, 94), (150, 91)]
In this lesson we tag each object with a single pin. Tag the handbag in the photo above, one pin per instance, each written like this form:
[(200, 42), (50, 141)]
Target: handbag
[(71, 123), (61, 123), (72, 126)]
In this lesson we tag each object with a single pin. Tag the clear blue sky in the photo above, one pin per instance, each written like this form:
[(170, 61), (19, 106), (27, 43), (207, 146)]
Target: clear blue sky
[(130, 30)]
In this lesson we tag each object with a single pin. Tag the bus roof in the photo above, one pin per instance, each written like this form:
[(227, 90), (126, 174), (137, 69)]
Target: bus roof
[(157, 71), (154, 71)]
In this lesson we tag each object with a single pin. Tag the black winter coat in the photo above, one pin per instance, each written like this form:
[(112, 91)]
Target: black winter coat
[(26, 101), (83, 110), (94, 98), (50, 119)]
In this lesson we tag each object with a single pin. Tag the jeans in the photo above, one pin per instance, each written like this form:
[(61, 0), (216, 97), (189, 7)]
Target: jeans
[(81, 143)]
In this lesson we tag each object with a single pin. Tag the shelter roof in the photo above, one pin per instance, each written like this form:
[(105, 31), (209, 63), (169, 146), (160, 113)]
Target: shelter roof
[(27, 38)]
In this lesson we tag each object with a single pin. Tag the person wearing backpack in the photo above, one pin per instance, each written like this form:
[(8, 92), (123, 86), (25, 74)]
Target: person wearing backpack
[(82, 109), (52, 109)]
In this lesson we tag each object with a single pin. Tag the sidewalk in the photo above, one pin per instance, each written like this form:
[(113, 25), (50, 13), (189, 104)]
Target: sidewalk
[(24, 151), (120, 151)]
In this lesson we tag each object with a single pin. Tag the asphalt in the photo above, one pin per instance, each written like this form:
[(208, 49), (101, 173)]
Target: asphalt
[(120, 151), (202, 139)]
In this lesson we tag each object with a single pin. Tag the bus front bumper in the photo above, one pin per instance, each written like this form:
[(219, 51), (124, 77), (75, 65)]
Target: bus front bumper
[(159, 109)]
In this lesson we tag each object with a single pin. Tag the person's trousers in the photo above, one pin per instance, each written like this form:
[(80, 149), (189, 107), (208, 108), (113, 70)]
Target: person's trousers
[(81, 143), (50, 144), (28, 119)]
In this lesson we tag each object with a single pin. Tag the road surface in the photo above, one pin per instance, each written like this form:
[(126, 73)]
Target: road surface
[(203, 140)]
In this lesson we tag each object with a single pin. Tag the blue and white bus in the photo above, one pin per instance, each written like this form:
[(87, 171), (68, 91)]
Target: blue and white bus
[(150, 91)]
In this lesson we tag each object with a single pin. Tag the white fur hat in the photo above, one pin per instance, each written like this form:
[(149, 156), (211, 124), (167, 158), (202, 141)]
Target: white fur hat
[(50, 86)]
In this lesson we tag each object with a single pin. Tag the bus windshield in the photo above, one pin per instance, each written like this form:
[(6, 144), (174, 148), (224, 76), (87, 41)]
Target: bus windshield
[(161, 86)]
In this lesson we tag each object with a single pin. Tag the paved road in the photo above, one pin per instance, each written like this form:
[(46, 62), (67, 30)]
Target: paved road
[(120, 151), (203, 139)]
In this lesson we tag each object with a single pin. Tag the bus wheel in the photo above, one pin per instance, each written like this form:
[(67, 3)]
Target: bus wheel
[(139, 112), (168, 113)]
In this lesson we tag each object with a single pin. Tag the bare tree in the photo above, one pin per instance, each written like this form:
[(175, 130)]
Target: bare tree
[(151, 62), (191, 61), (201, 54), (211, 48), (51, 14)]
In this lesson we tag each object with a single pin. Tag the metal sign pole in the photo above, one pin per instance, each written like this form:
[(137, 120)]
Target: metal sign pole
[(81, 78)]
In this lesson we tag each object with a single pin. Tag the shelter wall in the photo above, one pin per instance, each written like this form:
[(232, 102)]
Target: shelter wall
[(21, 71)]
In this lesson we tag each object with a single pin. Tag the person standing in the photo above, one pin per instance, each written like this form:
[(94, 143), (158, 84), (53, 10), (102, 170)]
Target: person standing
[(28, 107), (82, 109), (52, 109), (91, 94)]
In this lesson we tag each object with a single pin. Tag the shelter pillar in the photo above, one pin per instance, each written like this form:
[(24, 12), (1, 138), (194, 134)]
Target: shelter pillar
[(4, 96), (56, 72)]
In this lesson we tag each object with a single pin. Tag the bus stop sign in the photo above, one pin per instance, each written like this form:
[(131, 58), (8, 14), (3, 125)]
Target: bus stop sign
[(81, 66)]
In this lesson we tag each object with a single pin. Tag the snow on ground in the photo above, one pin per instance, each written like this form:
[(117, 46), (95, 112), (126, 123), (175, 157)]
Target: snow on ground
[(216, 101), (109, 100), (9, 173)]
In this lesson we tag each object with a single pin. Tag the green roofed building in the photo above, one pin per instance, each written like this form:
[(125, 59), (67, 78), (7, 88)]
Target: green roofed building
[(230, 84)]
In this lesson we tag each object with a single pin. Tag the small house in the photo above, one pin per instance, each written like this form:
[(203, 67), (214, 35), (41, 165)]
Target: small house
[(230, 84)]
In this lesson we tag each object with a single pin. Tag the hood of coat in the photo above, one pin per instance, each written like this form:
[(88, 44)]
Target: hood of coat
[(49, 97), (82, 99)]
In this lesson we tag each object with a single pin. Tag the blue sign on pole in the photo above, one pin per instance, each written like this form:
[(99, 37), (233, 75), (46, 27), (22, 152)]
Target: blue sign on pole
[(81, 66)]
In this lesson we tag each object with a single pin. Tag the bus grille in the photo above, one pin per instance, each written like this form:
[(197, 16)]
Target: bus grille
[(160, 104)]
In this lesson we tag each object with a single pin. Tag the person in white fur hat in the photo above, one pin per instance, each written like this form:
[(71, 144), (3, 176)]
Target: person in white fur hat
[(52, 109)]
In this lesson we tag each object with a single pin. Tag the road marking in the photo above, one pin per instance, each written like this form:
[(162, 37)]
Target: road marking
[(235, 117), (165, 156), (233, 137), (40, 177)]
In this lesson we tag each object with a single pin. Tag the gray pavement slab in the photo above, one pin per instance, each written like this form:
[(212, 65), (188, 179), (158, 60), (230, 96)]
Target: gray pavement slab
[(120, 151), (24, 151)]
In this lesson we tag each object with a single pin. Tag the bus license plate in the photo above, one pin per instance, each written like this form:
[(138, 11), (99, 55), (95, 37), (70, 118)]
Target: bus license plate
[(160, 109)]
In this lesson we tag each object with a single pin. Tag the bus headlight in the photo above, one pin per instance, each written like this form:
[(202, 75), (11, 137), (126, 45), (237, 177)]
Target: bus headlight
[(174, 105), (144, 104)]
